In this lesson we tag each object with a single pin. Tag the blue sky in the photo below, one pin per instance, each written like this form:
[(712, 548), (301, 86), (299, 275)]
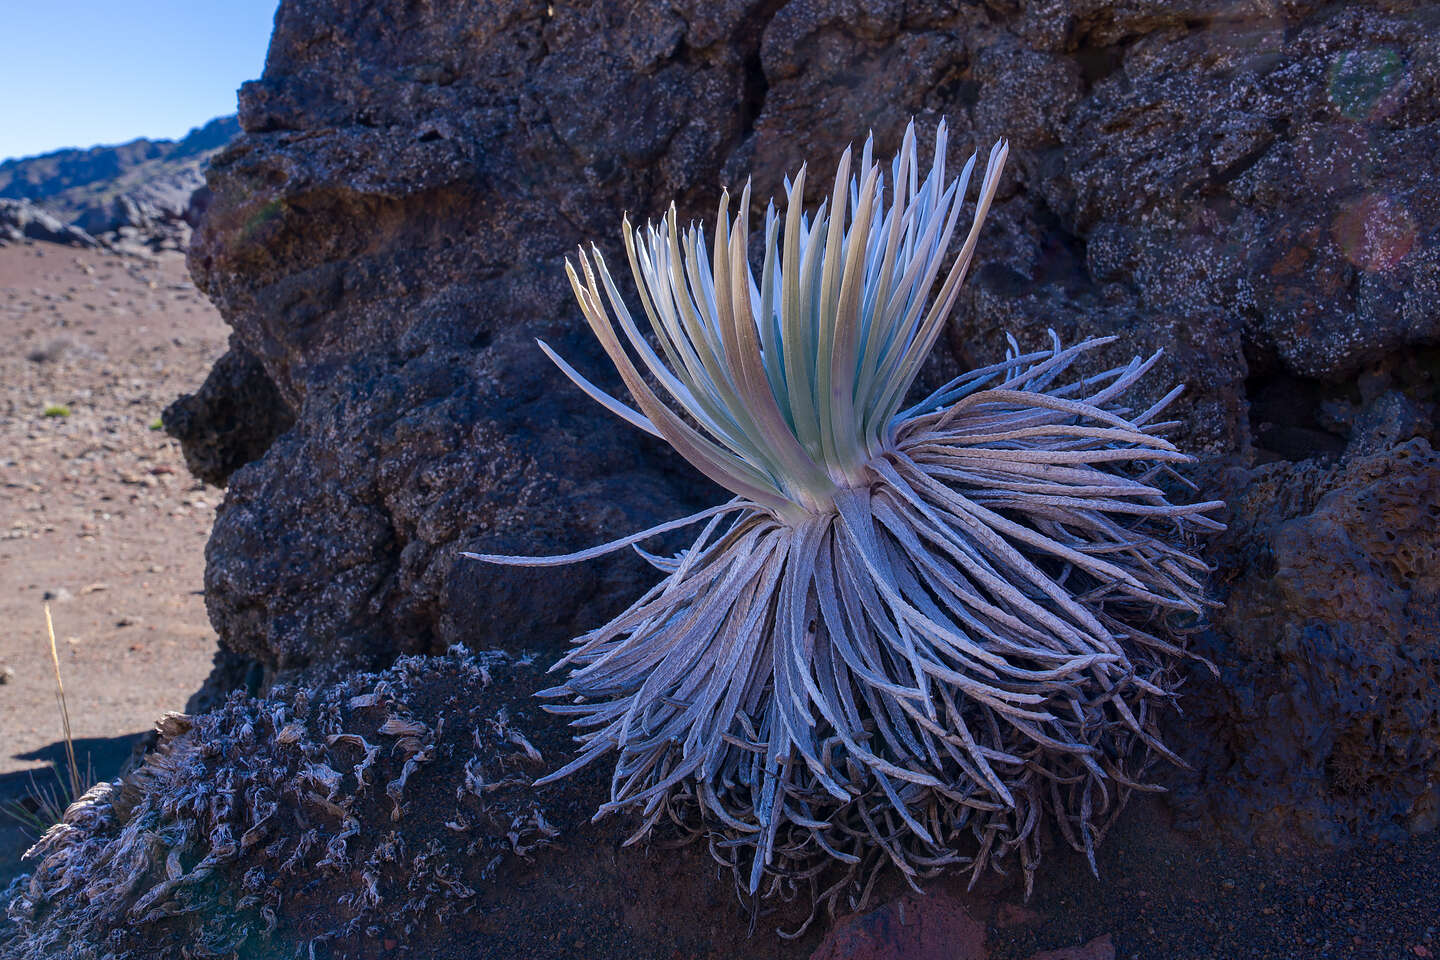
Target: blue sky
[(75, 73)]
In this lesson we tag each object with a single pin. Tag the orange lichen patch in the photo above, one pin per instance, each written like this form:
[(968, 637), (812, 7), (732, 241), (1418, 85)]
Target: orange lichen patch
[(1374, 232), (1291, 262)]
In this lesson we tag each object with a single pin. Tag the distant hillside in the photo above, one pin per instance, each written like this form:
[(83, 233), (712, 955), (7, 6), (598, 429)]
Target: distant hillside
[(157, 174)]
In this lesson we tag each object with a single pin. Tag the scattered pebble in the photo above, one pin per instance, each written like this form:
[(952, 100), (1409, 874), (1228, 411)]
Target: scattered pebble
[(77, 530)]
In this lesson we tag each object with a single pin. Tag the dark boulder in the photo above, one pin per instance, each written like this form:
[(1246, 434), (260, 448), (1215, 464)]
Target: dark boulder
[(401, 203), (231, 420), (1324, 726), (21, 220), (1251, 190)]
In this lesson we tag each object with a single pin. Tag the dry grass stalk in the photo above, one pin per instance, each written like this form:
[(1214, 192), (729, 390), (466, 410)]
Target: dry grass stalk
[(72, 766), (45, 805)]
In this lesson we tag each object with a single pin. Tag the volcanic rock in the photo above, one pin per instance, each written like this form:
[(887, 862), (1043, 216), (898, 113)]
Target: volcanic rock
[(1325, 723), (1245, 190), (22, 220), (231, 420), (1250, 188)]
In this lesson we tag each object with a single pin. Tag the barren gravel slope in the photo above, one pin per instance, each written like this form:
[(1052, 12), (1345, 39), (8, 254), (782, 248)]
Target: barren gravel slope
[(97, 511)]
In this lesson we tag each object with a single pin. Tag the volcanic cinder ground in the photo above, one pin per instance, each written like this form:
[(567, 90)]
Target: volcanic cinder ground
[(98, 515)]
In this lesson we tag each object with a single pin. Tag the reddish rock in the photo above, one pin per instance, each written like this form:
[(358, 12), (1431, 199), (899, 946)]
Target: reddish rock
[(1011, 915), (1101, 948), (936, 927)]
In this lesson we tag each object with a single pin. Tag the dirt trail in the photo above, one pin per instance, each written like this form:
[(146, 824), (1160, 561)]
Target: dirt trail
[(97, 512)]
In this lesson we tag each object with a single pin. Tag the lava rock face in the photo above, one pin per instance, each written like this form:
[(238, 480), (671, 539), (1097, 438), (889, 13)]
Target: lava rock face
[(231, 420), (1325, 724), (1252, 188)]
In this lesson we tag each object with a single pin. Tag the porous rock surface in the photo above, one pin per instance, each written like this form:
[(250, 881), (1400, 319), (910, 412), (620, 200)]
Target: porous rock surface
[(1249, 186), (1246, 187), (231, 420), (1325, 724), (398, 208)]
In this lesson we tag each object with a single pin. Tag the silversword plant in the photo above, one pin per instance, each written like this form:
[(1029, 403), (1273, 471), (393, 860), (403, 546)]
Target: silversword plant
[(910, 623)]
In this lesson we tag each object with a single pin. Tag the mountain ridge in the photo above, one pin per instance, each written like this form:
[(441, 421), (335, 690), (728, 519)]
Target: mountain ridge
[(138, 190), (47, 177)]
